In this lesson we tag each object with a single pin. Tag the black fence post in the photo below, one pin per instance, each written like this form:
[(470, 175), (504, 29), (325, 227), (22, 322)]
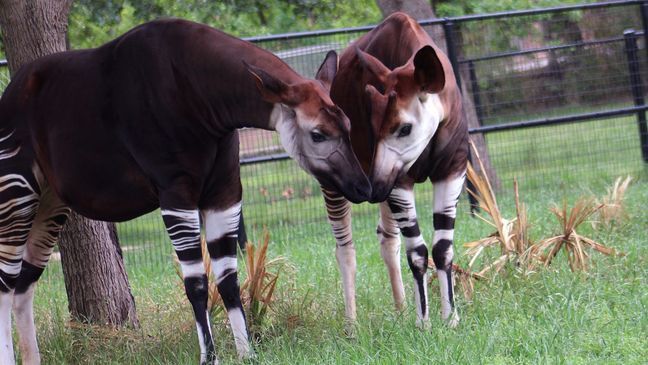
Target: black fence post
[(474, 85), (644, 20), (631, 50), (448, 30)]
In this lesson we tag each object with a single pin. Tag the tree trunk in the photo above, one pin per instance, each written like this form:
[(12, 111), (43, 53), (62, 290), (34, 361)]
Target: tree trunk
[(104, 297), (422, 9), (95, 279)]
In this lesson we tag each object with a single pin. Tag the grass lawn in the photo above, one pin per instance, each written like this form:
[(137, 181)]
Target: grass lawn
[(553, 316)]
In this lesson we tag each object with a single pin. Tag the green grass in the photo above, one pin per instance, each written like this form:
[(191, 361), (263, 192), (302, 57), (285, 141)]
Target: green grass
[(552, 317)]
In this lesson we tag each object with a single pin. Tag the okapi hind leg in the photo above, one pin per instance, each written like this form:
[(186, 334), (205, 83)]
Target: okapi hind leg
[(18, 204), (183, 227), (339, 217), (401, 204), (221, 230), (446, 196), (389, 237), (50, 218)]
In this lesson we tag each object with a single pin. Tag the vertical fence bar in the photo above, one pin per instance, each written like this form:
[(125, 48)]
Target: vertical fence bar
[(631, 50), (644, 20), (474, 85), (448, 30)]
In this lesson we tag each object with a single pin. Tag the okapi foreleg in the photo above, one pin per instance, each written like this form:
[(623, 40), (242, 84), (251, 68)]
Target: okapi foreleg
[(401, 204), (389, 237), (446, 196), (183, 227), (52, 215), (339, 216), (221, 228)]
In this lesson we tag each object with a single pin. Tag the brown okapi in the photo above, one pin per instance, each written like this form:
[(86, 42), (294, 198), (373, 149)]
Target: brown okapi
[(400, 94), (149, 120)]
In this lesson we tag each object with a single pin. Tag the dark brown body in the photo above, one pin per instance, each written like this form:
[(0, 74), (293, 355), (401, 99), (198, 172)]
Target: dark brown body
[(108, 140)]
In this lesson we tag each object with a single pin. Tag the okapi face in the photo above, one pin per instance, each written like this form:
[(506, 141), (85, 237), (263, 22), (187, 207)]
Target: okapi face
[(313, 130), (405, 116)]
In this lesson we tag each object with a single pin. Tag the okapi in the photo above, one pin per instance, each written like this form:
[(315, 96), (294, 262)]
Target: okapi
[(400, 94), (149, 120)]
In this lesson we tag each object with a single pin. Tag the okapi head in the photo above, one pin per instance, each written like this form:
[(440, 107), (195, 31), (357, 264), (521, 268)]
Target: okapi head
[(405, 113), (313, 130)]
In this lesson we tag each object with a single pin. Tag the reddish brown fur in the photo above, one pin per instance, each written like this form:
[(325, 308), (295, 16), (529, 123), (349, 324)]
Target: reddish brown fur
[(394, 43)]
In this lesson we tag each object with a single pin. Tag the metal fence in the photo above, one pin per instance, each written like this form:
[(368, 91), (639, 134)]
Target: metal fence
[(558, 96)]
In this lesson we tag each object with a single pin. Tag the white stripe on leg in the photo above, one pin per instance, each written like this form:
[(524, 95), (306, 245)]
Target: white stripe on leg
[(23, 309), (6, 344), (239, 329)]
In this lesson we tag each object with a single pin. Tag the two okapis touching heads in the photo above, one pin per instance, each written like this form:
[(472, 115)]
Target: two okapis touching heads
[(404, 110)]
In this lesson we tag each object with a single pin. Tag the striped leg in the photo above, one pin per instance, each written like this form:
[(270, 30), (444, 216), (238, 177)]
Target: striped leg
[(446, 196), (183, 227), (18, 204), (389, 237), (51, 216), (339, 216), (401, 204), (221, 228)]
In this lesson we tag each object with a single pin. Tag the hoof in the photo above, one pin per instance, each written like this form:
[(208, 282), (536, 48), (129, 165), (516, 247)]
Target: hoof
[(350, 330), (423, 324), (453, 320)]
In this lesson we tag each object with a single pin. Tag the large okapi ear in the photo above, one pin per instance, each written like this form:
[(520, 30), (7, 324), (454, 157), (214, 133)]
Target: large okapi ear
[(428, 70), (328, 69), (373, 65), (272, 89)]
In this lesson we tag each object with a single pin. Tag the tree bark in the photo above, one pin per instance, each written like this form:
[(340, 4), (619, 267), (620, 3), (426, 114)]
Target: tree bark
[(95, 279), (104, 297), (422, 9)]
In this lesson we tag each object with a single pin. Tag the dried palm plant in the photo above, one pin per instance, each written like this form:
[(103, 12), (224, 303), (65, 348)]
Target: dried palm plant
[(574, 244), (511, 236), (612, 209), (258, 287)]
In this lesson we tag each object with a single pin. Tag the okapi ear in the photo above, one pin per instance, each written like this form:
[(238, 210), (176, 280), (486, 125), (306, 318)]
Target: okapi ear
[(428, 70), (328, 69), (373, 65), (272, 89)]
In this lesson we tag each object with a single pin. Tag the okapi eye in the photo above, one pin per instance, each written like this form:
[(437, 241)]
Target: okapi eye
[(317, 137), (405, 130)]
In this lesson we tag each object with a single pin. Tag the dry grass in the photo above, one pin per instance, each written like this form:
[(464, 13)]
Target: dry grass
[(511, 236), (574, 244), (612, 211), (465, 278)]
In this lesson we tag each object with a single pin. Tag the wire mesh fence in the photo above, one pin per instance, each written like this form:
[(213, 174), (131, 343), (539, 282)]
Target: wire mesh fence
[(557, 94)]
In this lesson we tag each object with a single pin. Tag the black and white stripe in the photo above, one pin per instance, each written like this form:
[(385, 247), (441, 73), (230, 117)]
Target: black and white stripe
[(183, 227), (446, 196), (403, 211), (221, 229)]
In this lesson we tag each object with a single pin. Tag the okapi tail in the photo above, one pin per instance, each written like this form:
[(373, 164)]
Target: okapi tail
[(474, 205), (242, 235)]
